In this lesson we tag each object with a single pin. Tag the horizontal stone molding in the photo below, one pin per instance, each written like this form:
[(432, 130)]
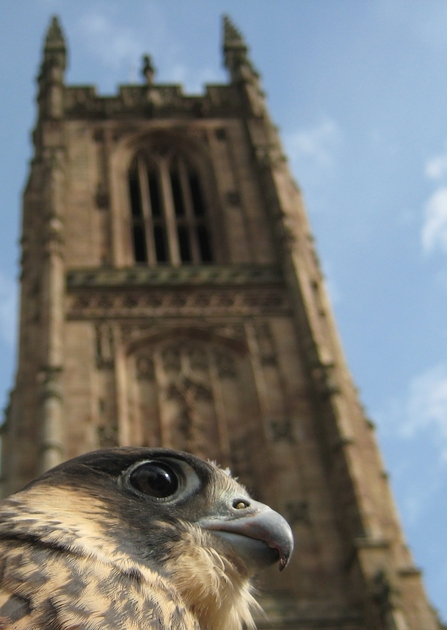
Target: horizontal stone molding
[(190, 275), (182, 302)]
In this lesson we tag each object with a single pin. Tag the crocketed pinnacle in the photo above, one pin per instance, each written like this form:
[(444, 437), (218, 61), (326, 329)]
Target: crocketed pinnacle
[(232, 36), (54, 51), (54, 33)]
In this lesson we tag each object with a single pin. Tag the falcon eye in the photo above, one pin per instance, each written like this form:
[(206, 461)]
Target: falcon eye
[(155, 479), (240, 504)]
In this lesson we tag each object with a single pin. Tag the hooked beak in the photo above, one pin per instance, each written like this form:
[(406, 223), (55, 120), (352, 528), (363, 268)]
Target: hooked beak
[(258, 534)]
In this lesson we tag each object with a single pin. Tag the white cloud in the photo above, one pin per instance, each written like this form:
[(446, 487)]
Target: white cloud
[(426, 408), (119, 45), (317, 143), (413, 430), (436, 167), (434, 230), (112, 42)]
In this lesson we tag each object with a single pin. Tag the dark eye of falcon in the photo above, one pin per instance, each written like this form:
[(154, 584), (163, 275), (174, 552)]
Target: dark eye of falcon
[(156, 479)]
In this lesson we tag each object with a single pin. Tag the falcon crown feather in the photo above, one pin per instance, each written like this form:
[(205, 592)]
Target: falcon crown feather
[(135, 538)]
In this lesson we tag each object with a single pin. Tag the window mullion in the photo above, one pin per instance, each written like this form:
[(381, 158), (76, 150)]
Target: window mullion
[(145, 200), (168, 206), (189, 212)]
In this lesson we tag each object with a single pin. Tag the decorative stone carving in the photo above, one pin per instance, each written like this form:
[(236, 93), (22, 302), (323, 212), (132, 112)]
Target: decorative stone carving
[(282, 430), (225, 363), (198, 359), (171, 359), (287, 230), (231, 331), (389, 599), (173, 276), (223, 99), (188, 302), (329, 385), (148, 69), (50, 383), (79, 99), (264, 338), (178, 300), (104, 346), (270, 156), (133, 332), (188, 391), (53, 236), (191, 412), (154, 301), (153, 99), (106, 301), (145, 368)]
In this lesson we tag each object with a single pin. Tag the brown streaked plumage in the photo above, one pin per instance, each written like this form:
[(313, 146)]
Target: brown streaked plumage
[(132, 539)]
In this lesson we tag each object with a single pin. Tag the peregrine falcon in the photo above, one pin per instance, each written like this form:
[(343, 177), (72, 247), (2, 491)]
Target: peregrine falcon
[(135, 538)]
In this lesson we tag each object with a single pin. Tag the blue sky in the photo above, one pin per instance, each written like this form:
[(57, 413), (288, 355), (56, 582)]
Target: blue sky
[(359, 91)]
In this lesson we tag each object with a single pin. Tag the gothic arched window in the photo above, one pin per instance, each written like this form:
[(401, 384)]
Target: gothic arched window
[(168, 210)]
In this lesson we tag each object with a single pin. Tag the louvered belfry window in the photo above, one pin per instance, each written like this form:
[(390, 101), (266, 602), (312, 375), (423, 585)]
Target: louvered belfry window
[(168, 212)]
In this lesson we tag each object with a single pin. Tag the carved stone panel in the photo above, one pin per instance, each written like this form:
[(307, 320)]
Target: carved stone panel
[(226, 366), (186, 392), (145, 368), (157, 303)]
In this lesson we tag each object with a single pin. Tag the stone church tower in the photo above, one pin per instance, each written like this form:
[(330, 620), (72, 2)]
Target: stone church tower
[(171, 295)]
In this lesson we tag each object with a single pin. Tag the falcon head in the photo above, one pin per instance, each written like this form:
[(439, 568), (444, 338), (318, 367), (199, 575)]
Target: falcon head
[(158, 512)]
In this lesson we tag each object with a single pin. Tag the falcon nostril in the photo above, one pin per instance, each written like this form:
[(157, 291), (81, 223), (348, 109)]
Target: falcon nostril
[(240, 504)]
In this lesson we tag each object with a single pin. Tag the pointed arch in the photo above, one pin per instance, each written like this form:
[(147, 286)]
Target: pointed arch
[(190, 389), (168, 207), (190, 333)]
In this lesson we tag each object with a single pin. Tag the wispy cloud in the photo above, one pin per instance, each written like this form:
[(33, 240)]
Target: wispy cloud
[(113, 43), (313, 153), (422, 409), (436, 167), (413, 430), (119, 45), (434, 228), (427, 405), (316, 144)]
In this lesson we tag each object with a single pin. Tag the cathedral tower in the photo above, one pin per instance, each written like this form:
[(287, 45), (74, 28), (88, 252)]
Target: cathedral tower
[(171, 295)]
